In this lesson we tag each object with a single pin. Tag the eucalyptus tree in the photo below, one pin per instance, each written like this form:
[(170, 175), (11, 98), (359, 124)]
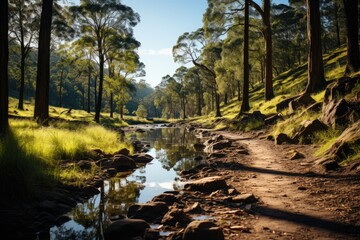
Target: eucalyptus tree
[(182, 90), (4, 58), (220, 18), (316, 78), (193, 80), (352, 35), (24, 19), (98, 21), (195, 48)]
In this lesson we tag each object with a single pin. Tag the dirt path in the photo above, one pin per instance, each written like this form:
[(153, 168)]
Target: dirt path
[(295, 203)]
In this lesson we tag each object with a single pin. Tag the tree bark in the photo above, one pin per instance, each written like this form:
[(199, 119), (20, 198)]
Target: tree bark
[(352, 36), (245, 106), (217, 104), (269, 93), (101, 82), (111, 105), (4, 59), (88, 90), (22, 66), (336, 12), (41, 112), (316, 79), (121, 111), (199, 99)]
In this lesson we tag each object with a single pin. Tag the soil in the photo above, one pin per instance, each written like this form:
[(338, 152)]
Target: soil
[(295, 198)]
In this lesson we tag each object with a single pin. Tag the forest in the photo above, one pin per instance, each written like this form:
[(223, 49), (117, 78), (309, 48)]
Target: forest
[(267, 94)]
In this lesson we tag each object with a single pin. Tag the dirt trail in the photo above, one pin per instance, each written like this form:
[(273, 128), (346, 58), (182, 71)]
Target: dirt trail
[(294, 200)]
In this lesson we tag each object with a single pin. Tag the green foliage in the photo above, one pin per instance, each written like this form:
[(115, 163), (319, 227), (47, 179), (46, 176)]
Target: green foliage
[(141, 112)]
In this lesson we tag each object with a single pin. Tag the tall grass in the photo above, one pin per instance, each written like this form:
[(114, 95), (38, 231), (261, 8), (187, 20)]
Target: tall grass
[(31, 154)]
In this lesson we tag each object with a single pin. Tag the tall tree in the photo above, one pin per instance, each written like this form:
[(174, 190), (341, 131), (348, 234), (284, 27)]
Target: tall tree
[(352, 37), (4, 58), (245, 106), (99, 21), (23, 27), (316, 79), (41, 112)]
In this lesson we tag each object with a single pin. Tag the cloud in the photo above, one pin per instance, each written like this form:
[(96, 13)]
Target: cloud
[(152, 52)]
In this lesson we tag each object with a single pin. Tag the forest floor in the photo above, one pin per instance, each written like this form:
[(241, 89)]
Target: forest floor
[(295, 200)]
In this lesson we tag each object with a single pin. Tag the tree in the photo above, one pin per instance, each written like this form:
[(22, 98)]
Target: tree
[(245, 106), (316, 79), (352, 36), (4, 58), (23, 25), (141, 111), (41, 112), (99, 21)]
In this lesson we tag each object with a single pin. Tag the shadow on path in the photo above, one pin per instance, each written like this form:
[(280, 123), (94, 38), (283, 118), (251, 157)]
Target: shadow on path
[(307, 220)]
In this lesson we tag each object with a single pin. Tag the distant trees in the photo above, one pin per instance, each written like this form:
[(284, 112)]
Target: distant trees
[(4, 58), (99, 22)]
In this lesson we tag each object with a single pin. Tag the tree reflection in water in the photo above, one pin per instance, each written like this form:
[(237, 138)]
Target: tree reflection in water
[(174, 151)]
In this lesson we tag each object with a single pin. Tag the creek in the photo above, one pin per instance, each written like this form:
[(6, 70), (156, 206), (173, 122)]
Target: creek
[(173, 151)]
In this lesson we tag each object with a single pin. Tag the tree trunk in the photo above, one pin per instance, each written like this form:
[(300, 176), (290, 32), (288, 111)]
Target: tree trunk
[(95, 91), (352, 36), (88, 90), (217, 103), (269, 93), (60, 86), (101, 82), (121, 111), (4, 58), (41, 112), (316, 79), (245, 106), (199, 100), (336, 12), (238, 90), (225, 99), (111, 105), (22, 66), (83, 97)]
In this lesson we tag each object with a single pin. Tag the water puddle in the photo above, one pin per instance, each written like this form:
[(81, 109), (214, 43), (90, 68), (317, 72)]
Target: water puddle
[(172, 149)]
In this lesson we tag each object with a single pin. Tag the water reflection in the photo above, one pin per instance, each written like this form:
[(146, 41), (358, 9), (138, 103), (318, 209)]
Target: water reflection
[(173, 151)]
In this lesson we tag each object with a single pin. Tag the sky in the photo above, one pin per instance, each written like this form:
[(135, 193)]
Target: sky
[(162, 22)]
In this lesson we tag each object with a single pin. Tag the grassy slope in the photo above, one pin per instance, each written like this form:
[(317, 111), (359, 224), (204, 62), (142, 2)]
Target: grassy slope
[(287, 84)]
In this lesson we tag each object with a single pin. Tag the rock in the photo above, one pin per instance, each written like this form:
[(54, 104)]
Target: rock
[(142, 158), (126, 229), (217, 155), (283, 138), (345, 143), (139, 130), (199, 146), (244, 198), (316, 107), (336, 113), (203, 230), (195, 208), (175, 216), (90, 190), (297, 155), (168, 198), (208, 184), (150, 212), (273, 119), (198, 158), (284, 104), (84, 165), (151, 234), (328, 164), (303, 100), (217, 146), (308, 129), (123, 151), (190, 128), (119, 162)]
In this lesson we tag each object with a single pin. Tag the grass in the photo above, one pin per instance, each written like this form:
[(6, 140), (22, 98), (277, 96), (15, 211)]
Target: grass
[(32, 155)]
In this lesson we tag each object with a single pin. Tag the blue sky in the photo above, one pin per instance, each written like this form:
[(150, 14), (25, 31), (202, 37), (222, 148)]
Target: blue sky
[(162, 22)]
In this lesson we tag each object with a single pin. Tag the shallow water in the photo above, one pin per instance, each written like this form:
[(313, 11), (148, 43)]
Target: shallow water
[(172, 149)]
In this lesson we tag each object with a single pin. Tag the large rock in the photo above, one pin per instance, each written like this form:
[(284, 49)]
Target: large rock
[(175, 216), (166, 198), (300, 101), (142, 158), (150, 212), (218, 146), (308, 129), (336, 113), (273, 119), (203, 230), (346, 143), (118, 162), (126, 229), (207, 184), (284, 104), (283, 138)]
